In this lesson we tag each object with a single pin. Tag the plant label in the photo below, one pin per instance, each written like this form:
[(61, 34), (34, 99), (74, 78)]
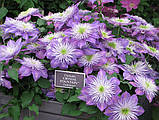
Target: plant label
[(67, 79)]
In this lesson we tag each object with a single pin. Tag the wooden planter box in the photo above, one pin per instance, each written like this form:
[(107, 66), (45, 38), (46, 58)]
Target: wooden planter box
[(51, 110)]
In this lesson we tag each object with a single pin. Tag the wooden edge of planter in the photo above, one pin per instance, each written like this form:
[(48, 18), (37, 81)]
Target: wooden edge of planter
[(47, 107)]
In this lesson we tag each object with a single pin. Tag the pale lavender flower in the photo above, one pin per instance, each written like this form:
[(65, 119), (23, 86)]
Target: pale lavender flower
[(37, 48), (48, 38), (62, 54), (34, 67), (152, 51), (105, 34), (61, 18), (3, 81), (19, 28), (137, 19), (91, 61), (119, 21), (103, 1), (26, 15), (83, 32), (145, 31), (135, 48), (51, 91), (65, 15), (118, 47), (99, 90), (49, 17), (110, 66), (12, 49), (124, 107), (135, 69), (145, 86)]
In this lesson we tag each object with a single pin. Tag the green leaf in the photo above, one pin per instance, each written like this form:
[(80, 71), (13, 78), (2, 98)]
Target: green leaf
[(42, 29), (1, 67), (44, 61), (3, 12), (155, 113), (74, 98), (13, 73), (88, 109), (22, 3), (3, 115), (36, 1), (34, 108), (15, 91), (44, 83), (29, 118), (113, 75), (156, 21), (60, 97), (40, 22), (1, 33), (63, 5), (70, 109), (16, 65), (18, 1), (2, 107), (28, 4), (38, 100), (129, 59), (26, 98), (14, 112)]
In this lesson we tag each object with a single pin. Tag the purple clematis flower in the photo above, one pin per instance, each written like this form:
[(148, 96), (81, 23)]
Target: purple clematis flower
[(99, 90), (110, 66), (130, 4), (91, 59), (62, 54), (19, 28), (61, 18), (104, 34), (118, 47), (12, 49), (124, 108), (51, 92), (4, 82), (84, 32), (102, 1), (136, 18), (48, 38), (144, 31), (26, 15), (37, 48), (135, 48), (145, 86), (152, 51), (32, 66), (116, 21), (135, 69)]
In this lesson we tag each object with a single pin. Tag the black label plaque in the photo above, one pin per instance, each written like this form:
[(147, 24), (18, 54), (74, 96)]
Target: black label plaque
[(67, 79)]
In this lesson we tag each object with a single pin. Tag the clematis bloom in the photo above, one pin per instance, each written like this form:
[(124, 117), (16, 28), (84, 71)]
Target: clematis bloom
[(130, 4), (32, 66), (99, 90)]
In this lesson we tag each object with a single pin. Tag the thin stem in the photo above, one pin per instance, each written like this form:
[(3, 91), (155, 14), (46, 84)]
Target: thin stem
[(3, 3), (1, 21)]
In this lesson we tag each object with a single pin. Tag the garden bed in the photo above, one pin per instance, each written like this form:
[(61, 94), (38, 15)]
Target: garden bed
[(50, 110)]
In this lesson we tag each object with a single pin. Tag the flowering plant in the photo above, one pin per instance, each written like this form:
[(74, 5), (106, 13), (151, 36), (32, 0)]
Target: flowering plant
[(117, 54)]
